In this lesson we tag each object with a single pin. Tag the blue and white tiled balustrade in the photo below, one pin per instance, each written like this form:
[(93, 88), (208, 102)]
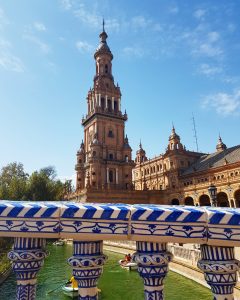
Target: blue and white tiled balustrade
[(152, 226)]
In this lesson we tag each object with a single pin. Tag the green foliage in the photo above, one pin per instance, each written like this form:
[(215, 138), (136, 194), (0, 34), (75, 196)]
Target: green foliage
[(41, 185), (13, 182)]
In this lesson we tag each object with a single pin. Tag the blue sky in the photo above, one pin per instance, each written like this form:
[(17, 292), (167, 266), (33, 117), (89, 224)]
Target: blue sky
[(172, 59)]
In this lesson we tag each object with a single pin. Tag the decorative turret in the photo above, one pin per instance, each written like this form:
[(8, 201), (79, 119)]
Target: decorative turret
[(140, 155), (103, 46), (174, 141), (220, 145), (107, 157), (79, 167)]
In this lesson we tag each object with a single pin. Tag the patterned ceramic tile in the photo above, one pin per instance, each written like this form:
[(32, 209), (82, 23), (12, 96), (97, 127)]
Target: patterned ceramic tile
[(95, 221), (29, 218), (223, 226), (158, 223), (168, 223)]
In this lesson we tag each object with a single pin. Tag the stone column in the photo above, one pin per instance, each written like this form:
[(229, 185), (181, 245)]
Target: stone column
[(99, 101), (220, 270), (106, 100), (87, 263), (119, 104), (116, 175), (152, 260), (107, 175), (27, 258)]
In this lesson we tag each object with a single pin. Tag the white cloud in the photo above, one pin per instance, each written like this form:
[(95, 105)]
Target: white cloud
[(199, 13), (231, 27), (84, 46), (213, 36), (208, 70), (133, 51), (3, 19), (39, 26), (206, 49), (174, 10), (44, 47), (66, 4), (224, 104), (140, 22), (9, 61), (90, 18)]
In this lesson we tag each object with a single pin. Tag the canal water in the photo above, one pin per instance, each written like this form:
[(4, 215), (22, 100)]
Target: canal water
[(115, 283)]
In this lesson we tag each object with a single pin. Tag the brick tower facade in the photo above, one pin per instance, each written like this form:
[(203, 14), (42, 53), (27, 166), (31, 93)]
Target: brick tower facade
[(104, 160)]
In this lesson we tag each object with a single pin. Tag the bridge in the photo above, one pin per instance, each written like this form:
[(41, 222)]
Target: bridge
[(217, 230)]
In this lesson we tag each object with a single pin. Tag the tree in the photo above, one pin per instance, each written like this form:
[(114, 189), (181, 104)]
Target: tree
[(13, 182), (43, 186)]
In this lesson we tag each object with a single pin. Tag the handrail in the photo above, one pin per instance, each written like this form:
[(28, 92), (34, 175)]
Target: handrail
[(217, 230)]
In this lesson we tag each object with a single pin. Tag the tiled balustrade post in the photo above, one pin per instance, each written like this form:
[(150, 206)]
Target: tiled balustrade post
[(87, 263), (220, 270), (152, 260), (27, 258)]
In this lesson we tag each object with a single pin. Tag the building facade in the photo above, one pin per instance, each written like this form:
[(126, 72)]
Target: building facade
[(183, 177), (105, 169), (104, 160)]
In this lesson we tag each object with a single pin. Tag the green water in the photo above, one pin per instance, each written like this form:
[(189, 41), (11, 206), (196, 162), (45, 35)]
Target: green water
[(115, 283)]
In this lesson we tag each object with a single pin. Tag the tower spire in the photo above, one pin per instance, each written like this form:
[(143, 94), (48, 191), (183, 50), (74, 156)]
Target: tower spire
[(103, 25)]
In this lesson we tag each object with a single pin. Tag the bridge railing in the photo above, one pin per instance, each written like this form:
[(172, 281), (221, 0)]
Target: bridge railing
[(217, 230)]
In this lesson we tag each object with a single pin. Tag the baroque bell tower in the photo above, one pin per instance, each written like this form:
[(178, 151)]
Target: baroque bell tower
[(104, 160)]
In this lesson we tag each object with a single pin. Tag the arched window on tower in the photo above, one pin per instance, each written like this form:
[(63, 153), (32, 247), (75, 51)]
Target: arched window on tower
[(109, 105), (110, 176), (106, 69), (102, 103), (115, 106)]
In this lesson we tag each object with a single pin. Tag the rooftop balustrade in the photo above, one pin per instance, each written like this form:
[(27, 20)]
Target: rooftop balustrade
[(217, 230)]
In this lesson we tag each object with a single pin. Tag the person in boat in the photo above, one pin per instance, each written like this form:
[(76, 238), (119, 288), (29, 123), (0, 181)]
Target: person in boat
[(73, 282), (128, 258)]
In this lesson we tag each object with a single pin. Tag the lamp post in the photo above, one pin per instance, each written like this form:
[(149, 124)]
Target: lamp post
[(213, 194)]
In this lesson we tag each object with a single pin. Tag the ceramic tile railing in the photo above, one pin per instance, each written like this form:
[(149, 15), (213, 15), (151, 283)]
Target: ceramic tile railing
[(151, 226)]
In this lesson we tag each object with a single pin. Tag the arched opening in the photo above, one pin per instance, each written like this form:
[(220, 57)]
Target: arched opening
[(189, 201), (111, 176), (204, 200), (126, 158), (175, 201), (106, 69), (222, 200), (102, 103), (237, 198), (109, 105), (115, 106)]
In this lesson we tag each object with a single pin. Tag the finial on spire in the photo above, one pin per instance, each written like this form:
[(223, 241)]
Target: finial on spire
[(219, 137), (103, 25), (140, 145)]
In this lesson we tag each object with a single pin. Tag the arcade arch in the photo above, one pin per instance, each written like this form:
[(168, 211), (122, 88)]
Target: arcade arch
[(204, 200), (189, 201), (175, 201), (222, 200), (237, 198)]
